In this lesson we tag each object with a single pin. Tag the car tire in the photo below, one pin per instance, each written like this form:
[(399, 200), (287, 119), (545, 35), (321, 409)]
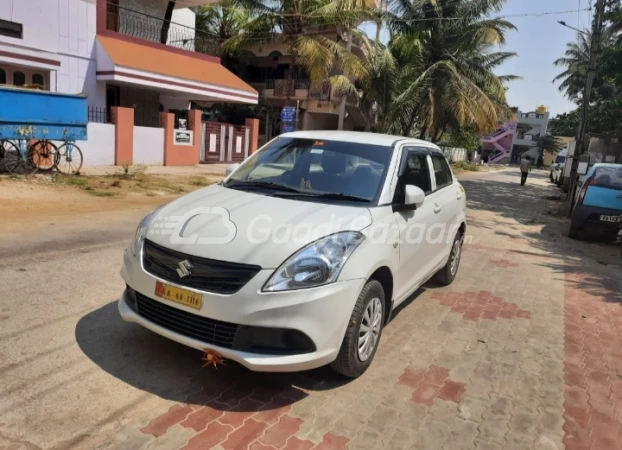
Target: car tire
[(351, 361), (573, 231), (447, 274)]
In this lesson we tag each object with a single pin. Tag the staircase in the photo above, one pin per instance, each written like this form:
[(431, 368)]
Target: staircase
[(500, 157)]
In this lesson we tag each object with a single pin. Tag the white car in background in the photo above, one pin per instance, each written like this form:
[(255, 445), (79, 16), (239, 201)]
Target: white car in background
[(274, 299), (557, 169)]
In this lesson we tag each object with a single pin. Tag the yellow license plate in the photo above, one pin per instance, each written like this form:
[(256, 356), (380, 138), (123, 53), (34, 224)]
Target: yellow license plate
[(179, 295)]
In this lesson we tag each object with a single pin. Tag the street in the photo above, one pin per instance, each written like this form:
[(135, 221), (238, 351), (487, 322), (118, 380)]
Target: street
[(523, 351)]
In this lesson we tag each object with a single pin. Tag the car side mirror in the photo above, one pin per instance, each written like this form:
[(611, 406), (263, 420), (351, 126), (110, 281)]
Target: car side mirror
[(413, 198), (232, 168)]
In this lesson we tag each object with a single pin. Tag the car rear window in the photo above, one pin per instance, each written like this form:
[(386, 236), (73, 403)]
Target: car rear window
[(608, 177), (560, 159)]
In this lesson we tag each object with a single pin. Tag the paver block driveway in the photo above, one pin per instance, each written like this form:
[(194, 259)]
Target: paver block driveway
[(522, 351)]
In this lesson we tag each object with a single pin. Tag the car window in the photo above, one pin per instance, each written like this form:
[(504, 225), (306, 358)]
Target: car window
[(314, 167), (608, 177), (417, 172), (560, 159), (442, 172)]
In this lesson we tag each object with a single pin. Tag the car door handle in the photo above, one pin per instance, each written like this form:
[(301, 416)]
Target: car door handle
[(437, 208)]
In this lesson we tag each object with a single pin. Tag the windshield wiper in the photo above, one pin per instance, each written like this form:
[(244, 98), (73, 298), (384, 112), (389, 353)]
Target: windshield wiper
[(326, 195), (261, 184)]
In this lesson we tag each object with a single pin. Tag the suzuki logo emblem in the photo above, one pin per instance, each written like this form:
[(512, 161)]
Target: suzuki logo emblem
[(184, 268)]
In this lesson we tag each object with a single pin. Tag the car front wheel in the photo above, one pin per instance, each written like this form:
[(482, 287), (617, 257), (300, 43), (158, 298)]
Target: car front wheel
[(363, 333), (447, 274)]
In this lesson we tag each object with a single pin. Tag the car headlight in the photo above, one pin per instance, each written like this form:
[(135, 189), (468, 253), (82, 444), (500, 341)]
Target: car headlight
[(317, 264), (141, 231)]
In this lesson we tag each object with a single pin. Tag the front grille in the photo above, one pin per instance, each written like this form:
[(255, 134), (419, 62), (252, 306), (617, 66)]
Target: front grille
[(203, 329), (209, 275)]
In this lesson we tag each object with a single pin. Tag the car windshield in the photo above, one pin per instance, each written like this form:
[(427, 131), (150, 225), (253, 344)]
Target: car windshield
[(560, 159), (316, 170), (609, 177)]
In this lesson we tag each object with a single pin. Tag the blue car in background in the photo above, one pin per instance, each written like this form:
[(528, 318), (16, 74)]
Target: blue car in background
[(598, 205)]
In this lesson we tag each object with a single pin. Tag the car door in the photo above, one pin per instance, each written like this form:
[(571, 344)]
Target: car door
[(415, 252), (446, 199)]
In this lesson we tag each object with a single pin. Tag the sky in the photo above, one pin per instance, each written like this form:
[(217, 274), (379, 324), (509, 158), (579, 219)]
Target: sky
[(538, 42)]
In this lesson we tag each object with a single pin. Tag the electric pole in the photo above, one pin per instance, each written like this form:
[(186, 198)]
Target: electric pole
[(597, 30)]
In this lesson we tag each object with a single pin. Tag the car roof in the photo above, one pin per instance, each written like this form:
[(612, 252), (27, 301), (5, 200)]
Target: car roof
[(359, 137)]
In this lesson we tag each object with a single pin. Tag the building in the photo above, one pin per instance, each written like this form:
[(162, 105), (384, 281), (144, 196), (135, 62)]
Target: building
[(120, 53), (516, 139), (267, 68)]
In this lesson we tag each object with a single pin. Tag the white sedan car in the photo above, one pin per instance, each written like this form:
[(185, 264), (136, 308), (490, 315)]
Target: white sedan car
[(298, 257)]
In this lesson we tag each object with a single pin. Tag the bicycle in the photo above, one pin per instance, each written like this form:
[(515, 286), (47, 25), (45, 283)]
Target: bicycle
[(18, 157), (68, 158), (44, 155)]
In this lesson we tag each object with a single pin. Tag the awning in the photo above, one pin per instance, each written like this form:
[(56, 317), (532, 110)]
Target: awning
[(166, 70)]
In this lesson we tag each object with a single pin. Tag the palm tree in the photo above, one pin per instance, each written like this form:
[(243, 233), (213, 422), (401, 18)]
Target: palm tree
[(316, 33), (446, 47), (576, 60), (222, 21)]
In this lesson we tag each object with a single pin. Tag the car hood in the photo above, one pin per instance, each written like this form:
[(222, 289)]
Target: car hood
[(238, 226)]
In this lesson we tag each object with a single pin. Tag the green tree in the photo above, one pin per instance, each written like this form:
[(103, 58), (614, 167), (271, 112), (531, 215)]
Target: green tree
[(565, 124), (450, 64), (575, 61), (549, 144), (221, 21), (315, 32)]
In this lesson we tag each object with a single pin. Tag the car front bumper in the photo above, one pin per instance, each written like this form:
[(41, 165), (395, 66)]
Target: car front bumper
[(321, 314)]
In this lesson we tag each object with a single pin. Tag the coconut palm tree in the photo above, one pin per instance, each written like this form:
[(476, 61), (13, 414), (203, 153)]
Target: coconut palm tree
[(448, 48), (575, 61), (221, 21), (317, 33)]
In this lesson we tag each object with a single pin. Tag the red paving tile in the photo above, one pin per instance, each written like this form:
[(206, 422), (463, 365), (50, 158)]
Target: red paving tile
[(482, 305), (429, 384), (296, 444), (213, 435), (425, 393), (259, 446), (452, 391), (272, 413), (199, 419), (411, 377), (160, 425), (332, 442), (436, 375), (235, 418), (278, 434), (244, 435), (593, 399)]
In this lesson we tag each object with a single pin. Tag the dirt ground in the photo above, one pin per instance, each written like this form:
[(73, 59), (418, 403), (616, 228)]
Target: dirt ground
[(24, 201)]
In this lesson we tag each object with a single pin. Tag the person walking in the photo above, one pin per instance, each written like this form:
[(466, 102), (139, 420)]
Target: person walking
[(525, 168)]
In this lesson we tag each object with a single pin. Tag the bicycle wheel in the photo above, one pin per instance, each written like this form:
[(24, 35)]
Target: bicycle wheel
[(69, 158), (12, 157), (43, 155)]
